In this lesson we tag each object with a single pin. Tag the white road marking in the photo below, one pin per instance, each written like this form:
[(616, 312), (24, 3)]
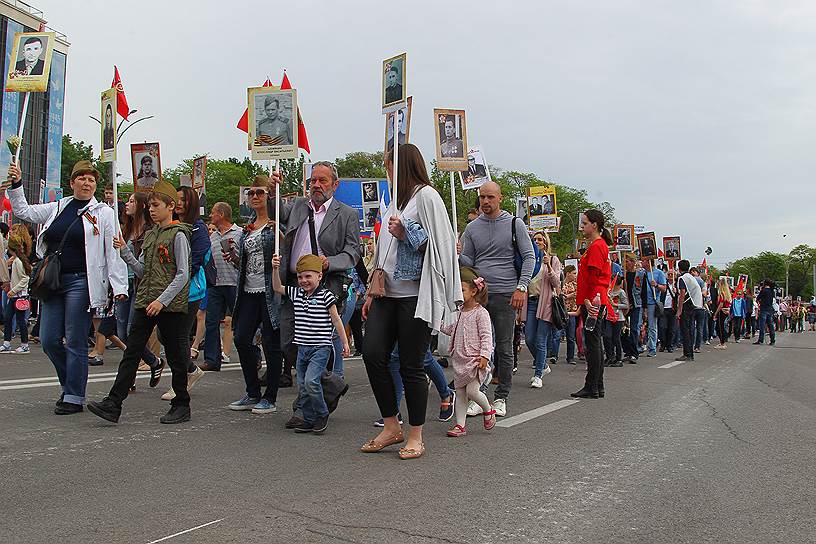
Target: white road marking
[(537, 412), (185, 531), (670, 365), (30, 383)]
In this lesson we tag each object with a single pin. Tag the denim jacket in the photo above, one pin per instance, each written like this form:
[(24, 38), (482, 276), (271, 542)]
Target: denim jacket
[(273, 302), (409, 253)]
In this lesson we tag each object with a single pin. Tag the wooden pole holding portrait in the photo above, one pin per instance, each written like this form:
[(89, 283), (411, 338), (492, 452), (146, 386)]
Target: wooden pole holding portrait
[(453, 205), (272, 132)]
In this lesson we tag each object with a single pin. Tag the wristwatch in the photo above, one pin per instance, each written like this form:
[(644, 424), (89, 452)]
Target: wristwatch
[(522, 288)]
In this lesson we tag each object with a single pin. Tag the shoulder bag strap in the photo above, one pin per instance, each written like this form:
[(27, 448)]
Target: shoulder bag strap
[(65, 236), (312, 235)]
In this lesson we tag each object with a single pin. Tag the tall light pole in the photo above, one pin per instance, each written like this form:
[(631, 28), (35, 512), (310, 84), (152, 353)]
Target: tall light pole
[(787, 270)]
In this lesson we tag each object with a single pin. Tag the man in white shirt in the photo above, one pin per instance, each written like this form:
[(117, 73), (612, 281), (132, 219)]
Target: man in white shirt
[(689, 300)]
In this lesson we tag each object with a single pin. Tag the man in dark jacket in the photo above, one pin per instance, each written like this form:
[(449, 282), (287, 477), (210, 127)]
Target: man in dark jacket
[(765, 299)]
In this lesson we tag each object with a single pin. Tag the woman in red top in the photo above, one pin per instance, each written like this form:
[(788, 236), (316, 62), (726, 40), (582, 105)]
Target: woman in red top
[(594, 277)]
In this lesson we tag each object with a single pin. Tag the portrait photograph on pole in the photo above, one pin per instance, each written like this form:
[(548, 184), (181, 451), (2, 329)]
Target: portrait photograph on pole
[(30, 63), (146, 161), (108, 127), (403, 125), (477, 173), (624, 236), (451, 140), (542, 208), (671, 247), (394, 83), (647, 245), (272, 123)]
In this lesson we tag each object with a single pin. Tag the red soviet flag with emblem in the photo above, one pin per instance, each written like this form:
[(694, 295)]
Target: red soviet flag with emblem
[(122, 107), (243, 122), (303, 141)]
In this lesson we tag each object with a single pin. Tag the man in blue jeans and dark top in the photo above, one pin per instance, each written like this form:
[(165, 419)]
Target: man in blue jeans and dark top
[(765, 299), (316, 320), (650, 284)]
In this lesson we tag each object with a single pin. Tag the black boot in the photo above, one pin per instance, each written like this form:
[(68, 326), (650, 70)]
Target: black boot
[(106, 409), (585, 394), (177, 414)]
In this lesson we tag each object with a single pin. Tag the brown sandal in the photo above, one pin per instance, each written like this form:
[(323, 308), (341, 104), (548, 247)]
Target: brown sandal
[(372, 446), (411, 453)]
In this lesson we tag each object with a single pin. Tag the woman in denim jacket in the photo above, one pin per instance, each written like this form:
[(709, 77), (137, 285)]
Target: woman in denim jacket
[(418, 256), (257, 304)]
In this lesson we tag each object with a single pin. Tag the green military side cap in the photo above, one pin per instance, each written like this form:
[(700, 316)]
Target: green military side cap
[(164, 188), (84, 167)]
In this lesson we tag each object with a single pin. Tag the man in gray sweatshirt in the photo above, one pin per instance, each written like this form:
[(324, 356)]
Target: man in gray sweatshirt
[(487, 246)]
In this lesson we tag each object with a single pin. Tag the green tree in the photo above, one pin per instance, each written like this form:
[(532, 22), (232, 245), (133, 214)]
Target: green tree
[(360, 164), (72, 153)]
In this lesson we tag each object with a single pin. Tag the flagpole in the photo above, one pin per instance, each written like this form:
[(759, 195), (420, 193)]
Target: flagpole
[(22, 127), (453, 205)]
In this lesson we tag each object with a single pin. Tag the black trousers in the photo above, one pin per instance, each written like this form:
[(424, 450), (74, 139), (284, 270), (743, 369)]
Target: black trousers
[(593, 350), (688, 329), (356, 326), (612, 341), (254, 313), (722, 334), (174, 328), (391, 320), (666, 326)]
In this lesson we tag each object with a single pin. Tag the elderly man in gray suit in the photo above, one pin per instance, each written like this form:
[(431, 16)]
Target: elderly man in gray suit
[(320, 225)]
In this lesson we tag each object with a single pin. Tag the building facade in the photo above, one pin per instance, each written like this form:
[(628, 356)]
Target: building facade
[(41, 152)]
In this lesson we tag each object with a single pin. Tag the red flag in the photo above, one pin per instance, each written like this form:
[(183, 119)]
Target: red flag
[(243, 122), (660, 253), (41, 27), (122, 107), (303, 140)]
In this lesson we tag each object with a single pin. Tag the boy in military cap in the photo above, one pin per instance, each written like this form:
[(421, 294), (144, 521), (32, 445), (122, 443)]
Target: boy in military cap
[(161, 298), (316, 319)]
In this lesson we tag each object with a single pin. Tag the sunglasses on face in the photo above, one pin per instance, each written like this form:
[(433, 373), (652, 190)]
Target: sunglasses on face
[(259, 192)]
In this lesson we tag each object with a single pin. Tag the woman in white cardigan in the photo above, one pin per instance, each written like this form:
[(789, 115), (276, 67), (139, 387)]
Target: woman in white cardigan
[(89, 267), (417, 255)]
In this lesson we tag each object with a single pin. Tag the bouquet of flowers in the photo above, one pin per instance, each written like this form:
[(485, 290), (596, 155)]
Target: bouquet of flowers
[(13, 144)]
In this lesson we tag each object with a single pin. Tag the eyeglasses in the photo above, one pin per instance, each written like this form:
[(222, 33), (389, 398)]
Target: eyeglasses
[(258, 192)]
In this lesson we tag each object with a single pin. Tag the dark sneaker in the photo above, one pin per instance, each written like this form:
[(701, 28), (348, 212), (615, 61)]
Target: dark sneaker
[(585, 394), (177, 414), (446, 409), (96, 361), (106, 409), (305, 427), (294, 422), (285, 380), (616, 364), (320, 426), (683, 358), (67, 408), (156, 373), (61, 399)]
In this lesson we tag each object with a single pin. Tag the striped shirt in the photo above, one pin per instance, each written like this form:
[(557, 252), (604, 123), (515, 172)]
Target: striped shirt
[(227, 273), (313, 324)]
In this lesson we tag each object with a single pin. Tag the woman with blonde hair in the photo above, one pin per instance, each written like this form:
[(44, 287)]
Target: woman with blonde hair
[(538, 329), (19, 248), (722, 311)]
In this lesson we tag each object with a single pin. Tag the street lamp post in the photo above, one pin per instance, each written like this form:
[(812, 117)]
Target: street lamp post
[(787, 270)]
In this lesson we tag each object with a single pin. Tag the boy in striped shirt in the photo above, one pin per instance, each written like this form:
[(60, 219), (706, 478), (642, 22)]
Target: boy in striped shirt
[(316, 319)]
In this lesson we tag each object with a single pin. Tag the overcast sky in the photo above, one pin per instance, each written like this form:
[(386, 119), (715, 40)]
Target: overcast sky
[(693, 118)]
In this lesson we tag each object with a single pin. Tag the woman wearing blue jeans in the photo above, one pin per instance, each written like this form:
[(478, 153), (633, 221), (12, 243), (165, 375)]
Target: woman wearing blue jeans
[(85, 229), (538, 328)]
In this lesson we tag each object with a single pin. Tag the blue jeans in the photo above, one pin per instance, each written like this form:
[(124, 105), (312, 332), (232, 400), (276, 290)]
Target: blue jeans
[(66, 315), (537, 337), (220, 299), (555, 341), (635, 319), (652, 329), (311, 363), (700, 327), (766, 319), (121, 309), (338, 365), (570, 330), (432, 368)]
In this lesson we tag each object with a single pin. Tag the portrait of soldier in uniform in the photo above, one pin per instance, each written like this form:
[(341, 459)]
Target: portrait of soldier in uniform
[(452, 144), (147, 176), (647, 247), (403, 126), (274, 128), (394, 80), (107, 132), (671, 247), (30, 62)]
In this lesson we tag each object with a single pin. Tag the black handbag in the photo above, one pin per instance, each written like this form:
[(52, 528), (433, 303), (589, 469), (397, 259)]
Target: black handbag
[(46, 281), (559, 312), (659, 310)]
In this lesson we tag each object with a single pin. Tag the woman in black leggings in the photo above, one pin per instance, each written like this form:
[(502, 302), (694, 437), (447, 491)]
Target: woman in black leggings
[(723, 309)]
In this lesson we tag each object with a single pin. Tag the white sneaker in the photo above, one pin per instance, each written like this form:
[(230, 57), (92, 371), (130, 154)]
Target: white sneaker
[(500, 405), (225, 358), (473, 409), (535, 382), (6, 349), (193, 377), (22, 349), (547, 370)]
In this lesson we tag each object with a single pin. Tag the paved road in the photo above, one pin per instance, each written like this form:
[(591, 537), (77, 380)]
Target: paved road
[(719, 450)]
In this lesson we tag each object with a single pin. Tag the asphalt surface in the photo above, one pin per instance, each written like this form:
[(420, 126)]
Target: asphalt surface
[(719, 450)]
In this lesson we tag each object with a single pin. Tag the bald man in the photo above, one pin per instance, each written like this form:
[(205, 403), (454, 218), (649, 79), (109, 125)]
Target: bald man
[(487, 246)]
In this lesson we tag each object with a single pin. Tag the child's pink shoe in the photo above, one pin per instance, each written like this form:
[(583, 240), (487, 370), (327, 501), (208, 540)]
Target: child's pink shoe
[(456, 431), (489, 419)]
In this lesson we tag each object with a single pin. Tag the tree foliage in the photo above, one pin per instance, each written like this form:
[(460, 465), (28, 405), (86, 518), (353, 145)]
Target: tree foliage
[(770, 265)]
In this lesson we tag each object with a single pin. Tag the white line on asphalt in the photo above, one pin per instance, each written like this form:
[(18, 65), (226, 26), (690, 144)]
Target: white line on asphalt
[(669, 365), (532, 414), (185, 531), (31, 383)]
